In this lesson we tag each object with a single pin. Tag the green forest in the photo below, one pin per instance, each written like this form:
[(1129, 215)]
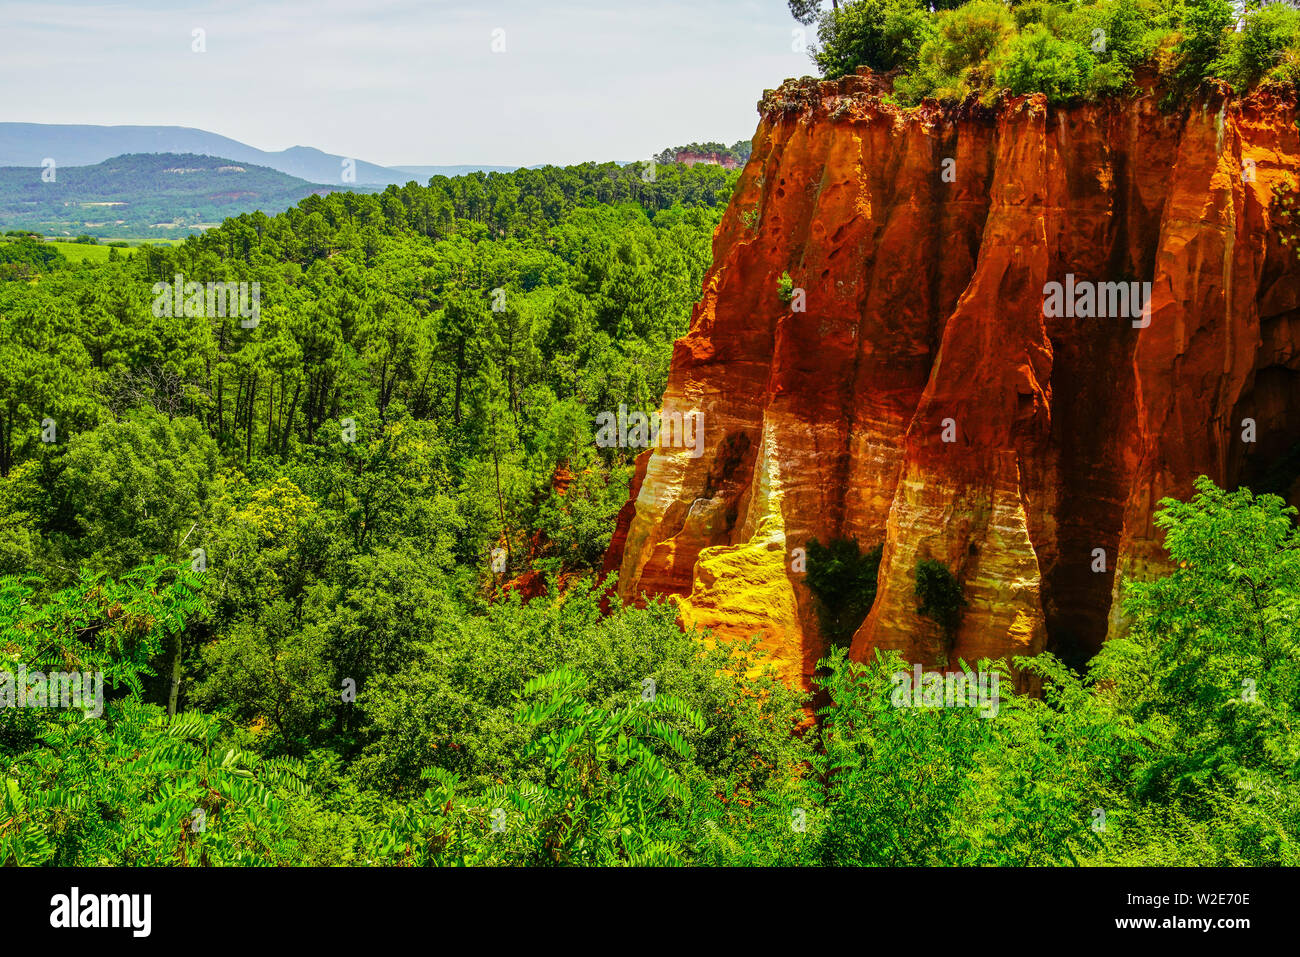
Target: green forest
[(293, 546)]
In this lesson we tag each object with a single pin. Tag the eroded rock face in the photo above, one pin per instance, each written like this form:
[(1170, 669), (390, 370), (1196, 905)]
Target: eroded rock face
[(923, 292), (690, 158)]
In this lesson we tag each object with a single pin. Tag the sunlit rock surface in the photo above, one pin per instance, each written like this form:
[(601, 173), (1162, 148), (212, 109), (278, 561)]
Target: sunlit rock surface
[(923, 292)]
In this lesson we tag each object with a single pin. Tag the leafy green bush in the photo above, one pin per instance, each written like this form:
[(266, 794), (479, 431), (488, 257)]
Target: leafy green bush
[(1126, 26), (940, 594), (609, 817), (450, 704), (880, 34), (1260, 49), (785, 287), (1037, 61), (961, 45), (1205, 28), (140, 788), (30, 250), (1223, 632), (970, 33), (843, 580)]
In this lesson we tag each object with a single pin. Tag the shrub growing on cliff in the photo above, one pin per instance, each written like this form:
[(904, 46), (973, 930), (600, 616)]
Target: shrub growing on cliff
[(785, 287), (1037, 61), (1265, 47), (1119, 35), (843, 580), (1064, 50), (880, 34), (940, 595), (1205, 35), (954, 60)]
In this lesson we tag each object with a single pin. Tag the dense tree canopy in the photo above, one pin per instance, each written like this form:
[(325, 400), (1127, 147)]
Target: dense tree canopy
[(290, 540)]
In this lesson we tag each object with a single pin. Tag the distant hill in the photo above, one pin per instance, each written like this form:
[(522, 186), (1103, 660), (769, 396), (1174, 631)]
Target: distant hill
[(153, 194), (28, 144)]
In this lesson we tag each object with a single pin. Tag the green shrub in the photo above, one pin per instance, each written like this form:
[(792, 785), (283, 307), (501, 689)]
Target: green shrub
[(1126, 26), (1034, 11), (31, 252), (1112, 31), (1037, 61), (967, 36), (1115, 33), (963, 41), (1107, 79), (1288, 66), (880, 34), (785, 287), (940, 594), (1258, 50), (843, 580), (1205, 34)]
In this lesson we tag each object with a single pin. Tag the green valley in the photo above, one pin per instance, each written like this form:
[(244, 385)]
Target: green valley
[(162, 195)]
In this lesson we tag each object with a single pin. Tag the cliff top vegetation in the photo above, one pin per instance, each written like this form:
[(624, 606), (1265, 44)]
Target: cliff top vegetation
[(948, 50)]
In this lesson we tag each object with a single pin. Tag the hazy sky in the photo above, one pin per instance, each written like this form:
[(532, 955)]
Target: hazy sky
[(406, 82)]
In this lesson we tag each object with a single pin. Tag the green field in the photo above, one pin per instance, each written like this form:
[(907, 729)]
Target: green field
[(96, 253), (80, 252)]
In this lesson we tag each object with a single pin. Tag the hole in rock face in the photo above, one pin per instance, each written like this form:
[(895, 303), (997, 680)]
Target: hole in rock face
[(1073, 651), (1271, 463), (728, 480)]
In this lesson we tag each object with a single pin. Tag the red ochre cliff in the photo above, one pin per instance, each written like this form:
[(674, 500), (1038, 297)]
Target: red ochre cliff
[(923, 298), (689, 158)]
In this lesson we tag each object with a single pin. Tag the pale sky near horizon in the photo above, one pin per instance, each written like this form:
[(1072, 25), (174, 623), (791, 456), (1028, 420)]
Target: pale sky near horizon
[(403, 82)]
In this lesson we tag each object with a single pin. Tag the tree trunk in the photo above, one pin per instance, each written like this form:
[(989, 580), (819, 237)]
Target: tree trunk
[(173, 692), (288, 421), (252, 409), (460, 375), (270, 412)]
